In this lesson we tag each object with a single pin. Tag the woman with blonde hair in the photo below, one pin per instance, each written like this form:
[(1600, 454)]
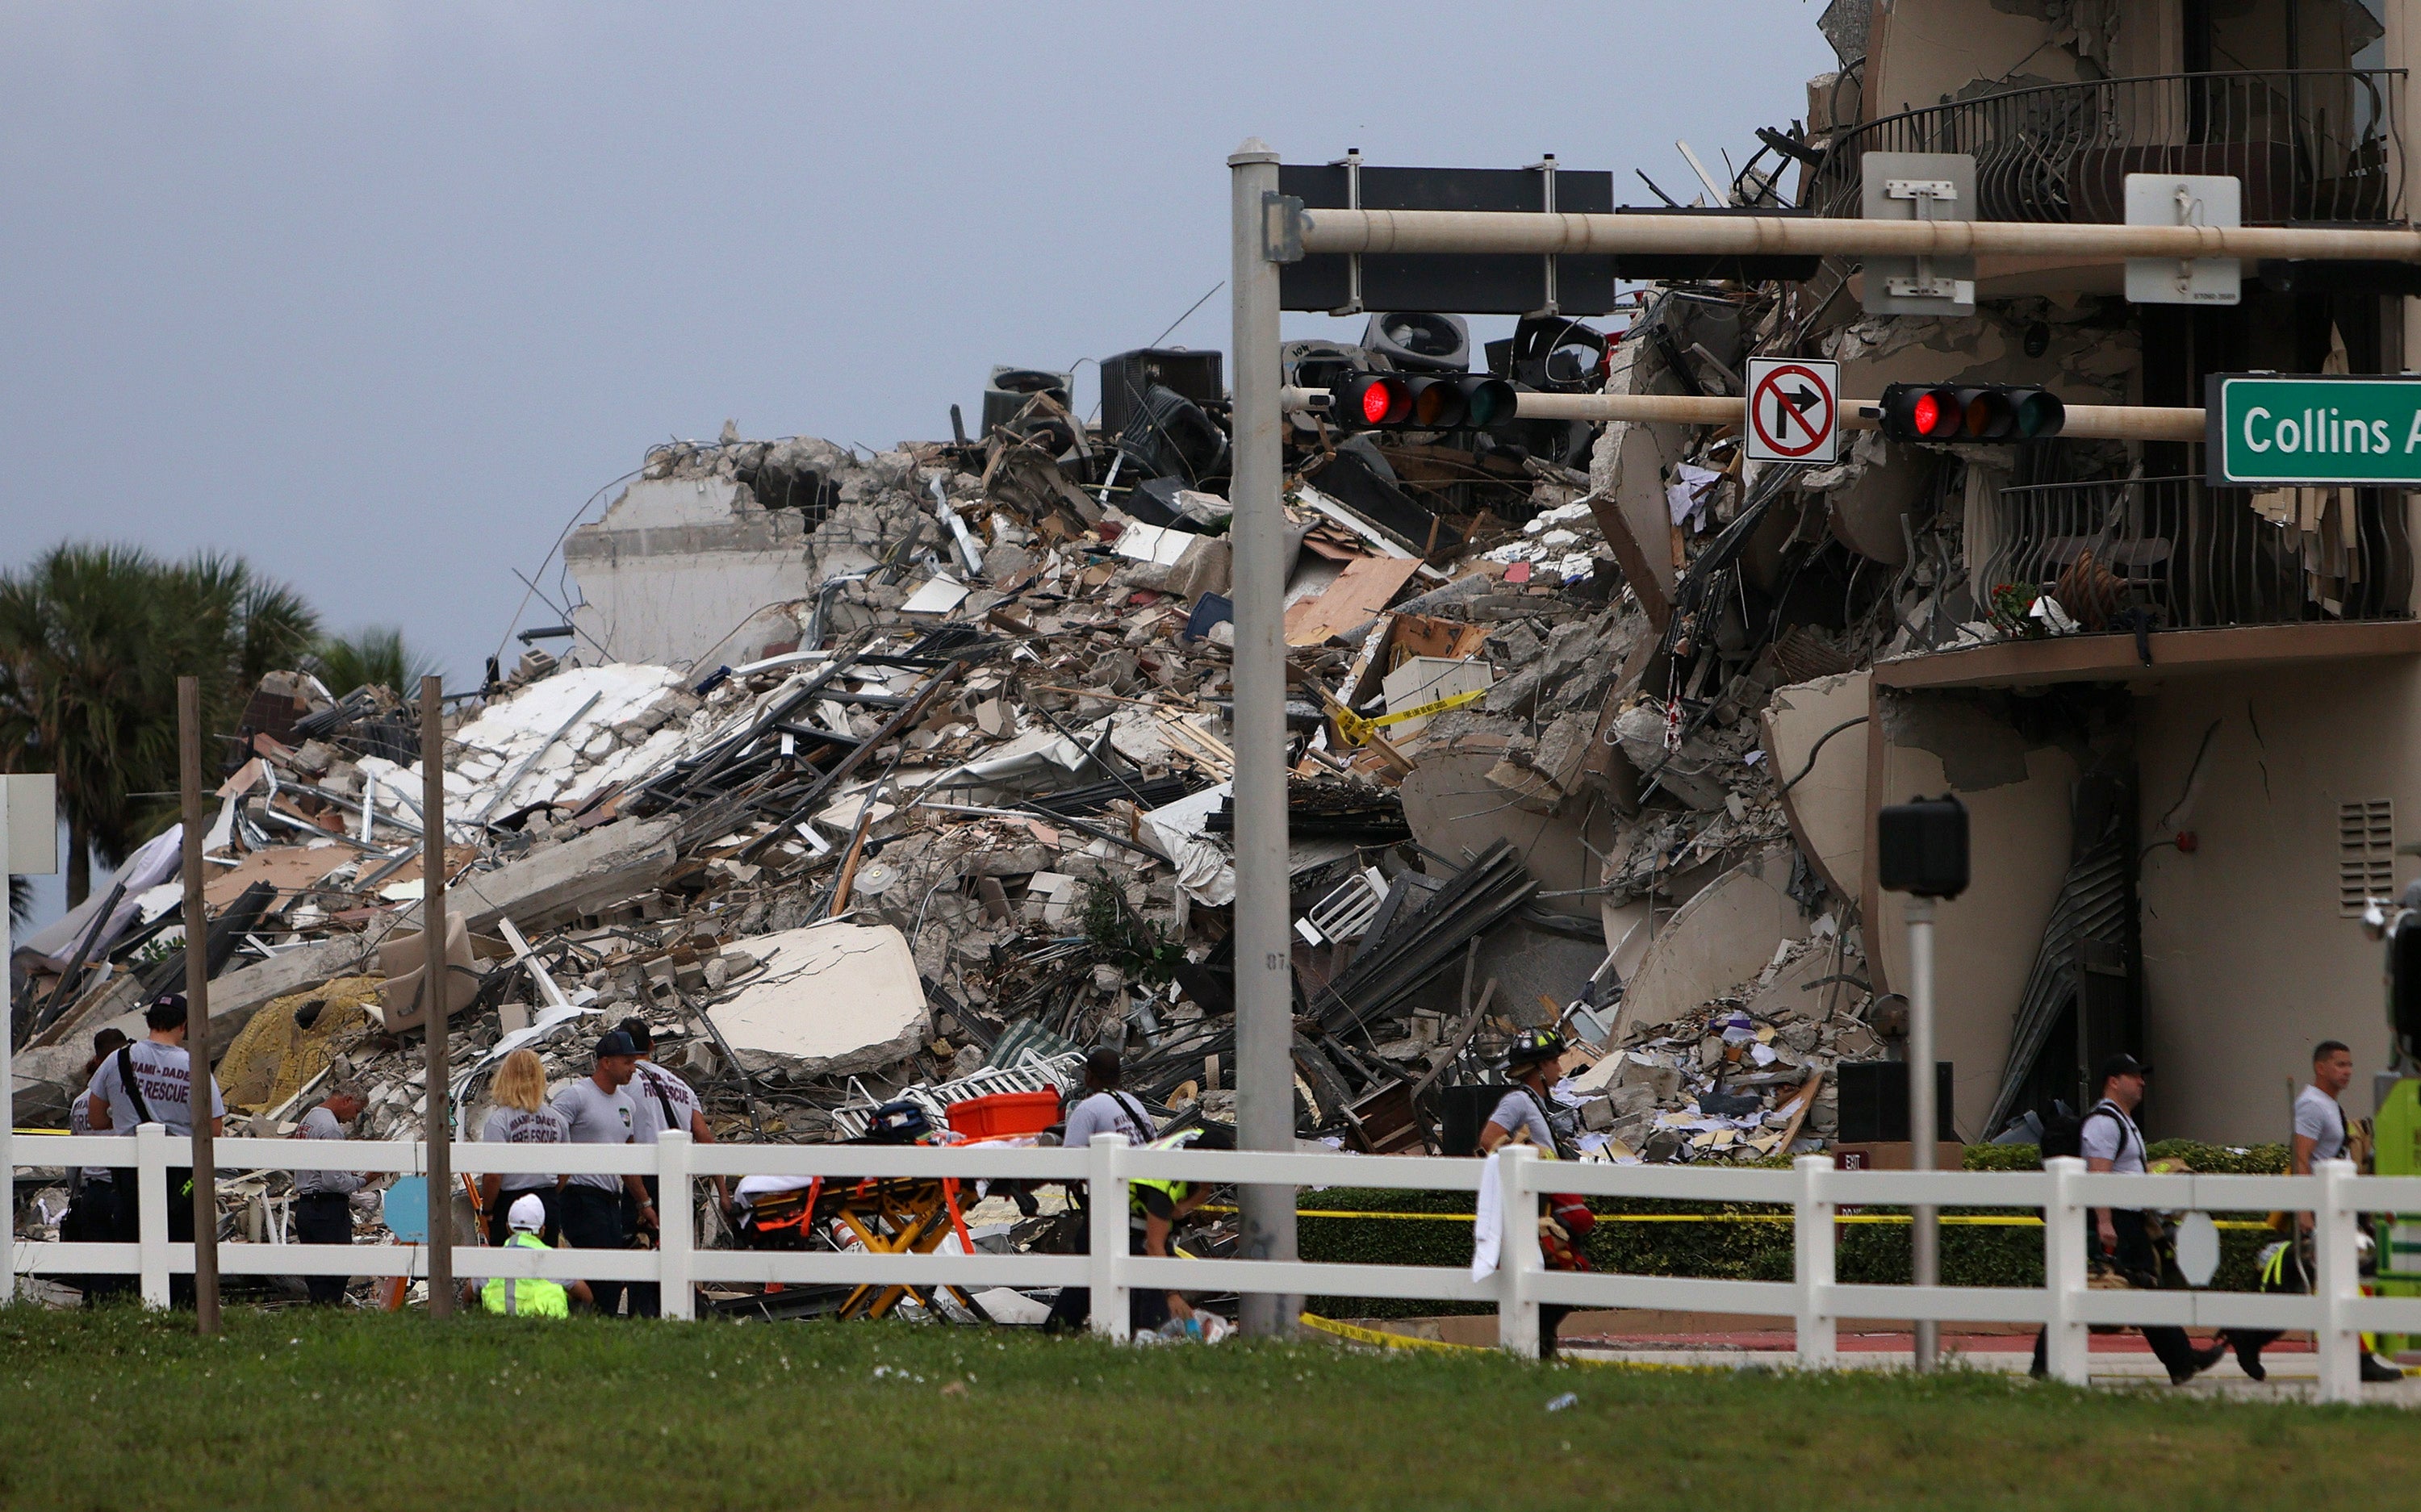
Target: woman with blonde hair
[(522, 1116)]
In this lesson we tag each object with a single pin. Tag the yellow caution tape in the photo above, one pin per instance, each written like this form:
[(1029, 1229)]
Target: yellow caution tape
[(1358, 729), (1359, 1334), (1384, 1340)]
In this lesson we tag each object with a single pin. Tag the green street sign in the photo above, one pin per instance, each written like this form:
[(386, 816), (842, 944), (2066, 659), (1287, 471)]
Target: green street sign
[(2268, 431)]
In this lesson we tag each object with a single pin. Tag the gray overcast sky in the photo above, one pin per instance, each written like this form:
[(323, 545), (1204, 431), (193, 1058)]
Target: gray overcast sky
[(377, 295)]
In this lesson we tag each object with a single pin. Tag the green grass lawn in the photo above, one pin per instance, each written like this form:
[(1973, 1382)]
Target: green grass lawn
[(363, 1411)]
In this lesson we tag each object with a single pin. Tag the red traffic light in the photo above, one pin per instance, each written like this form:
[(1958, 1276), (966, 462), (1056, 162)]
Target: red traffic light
[(1448, 401), (1917, 412), (1372, 399), (1983, 412)]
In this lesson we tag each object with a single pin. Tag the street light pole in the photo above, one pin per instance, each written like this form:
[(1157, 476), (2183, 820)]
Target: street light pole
[(437, 1127), (1924, 1120), (197, 1012), (1264, 956), (1921, 850)]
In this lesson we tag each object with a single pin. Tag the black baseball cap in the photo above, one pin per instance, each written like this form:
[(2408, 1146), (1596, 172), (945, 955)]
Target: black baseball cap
[(1103, 1066), (2123, 1066), (640, 1035), (166, 1011), (616, 1042)]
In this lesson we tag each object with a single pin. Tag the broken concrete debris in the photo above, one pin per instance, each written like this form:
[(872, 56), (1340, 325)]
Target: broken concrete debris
[(951, 805)]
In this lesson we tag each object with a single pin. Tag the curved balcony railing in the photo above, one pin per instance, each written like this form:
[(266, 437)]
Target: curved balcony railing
[(2193, 557), (2311, 145)]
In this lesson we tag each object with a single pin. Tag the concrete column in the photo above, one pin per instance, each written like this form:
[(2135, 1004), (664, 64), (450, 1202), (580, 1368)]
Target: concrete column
[(1264, 942)]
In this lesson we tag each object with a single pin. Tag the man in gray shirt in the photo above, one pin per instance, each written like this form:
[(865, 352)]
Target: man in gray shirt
[(598, 1110), (1109, 1110), (661, 1101), (324, 1210)]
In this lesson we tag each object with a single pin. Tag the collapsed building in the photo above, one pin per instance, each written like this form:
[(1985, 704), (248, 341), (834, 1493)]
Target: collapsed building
[(902, 777)]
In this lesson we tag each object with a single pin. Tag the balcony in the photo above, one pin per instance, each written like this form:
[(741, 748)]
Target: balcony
[(2192, 557), (2310, 146)]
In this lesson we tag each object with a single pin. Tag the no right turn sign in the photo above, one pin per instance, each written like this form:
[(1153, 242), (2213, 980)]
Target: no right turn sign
[(1793, 409)]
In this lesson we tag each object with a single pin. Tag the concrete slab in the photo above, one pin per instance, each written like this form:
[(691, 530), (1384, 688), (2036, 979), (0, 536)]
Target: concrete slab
[(1721, 937), (836, 999), (1455, 811), (1827, 808)]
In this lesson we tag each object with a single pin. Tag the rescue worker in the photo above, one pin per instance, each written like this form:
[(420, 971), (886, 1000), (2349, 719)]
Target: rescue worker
[(527, 1296), (150, 1081), (1536, 1064), (323, 1200), (2320, 1134), (589, 1204), (2111, 1142), (1155, 1208), (1107, 1109), (521, 1116), (661, 1100), (92, 1192)]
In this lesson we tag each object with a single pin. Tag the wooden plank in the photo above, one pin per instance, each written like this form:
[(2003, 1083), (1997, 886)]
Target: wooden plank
[(1360, 594)]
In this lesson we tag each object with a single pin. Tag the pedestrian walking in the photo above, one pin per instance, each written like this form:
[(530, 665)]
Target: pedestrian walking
[(2121, 1238), (2320, 1134)]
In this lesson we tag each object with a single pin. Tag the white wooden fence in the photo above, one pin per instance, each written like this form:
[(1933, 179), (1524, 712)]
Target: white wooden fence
[(2337, 1312)]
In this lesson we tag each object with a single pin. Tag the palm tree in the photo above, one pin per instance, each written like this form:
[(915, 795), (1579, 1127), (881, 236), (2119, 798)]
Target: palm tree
[(371, 658), (92, 640)]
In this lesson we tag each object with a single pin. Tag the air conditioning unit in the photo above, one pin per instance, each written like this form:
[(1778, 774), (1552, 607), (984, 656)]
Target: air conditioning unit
[(1421, 342), (1010, 388)]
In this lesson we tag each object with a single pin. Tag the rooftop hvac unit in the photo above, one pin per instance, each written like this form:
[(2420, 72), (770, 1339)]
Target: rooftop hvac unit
[(1011, 388), (1129, 376), (1418, 341)]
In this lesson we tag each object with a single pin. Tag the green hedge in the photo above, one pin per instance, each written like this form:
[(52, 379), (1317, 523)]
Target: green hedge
[(1754, 1250)]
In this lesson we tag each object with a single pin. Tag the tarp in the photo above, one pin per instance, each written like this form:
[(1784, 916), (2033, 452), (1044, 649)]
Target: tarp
[(49, 947)]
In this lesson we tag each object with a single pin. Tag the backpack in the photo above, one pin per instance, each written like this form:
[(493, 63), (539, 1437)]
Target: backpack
[(2063, 1132)]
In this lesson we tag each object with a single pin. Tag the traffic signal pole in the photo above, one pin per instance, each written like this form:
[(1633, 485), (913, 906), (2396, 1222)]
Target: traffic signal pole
[(1535, 232), (1264, 941), (1269, 229), (2090, 422)]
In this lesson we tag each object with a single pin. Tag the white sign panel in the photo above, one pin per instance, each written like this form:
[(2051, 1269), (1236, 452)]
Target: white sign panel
[(31, 833), (1794, 409), (2185, 200)]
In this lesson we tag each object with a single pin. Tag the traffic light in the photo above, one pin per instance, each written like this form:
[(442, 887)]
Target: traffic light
[(1921, 847), (1987, 412), (1414, 401)]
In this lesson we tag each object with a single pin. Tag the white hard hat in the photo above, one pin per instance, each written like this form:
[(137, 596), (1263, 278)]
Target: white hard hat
[(527, 1213)]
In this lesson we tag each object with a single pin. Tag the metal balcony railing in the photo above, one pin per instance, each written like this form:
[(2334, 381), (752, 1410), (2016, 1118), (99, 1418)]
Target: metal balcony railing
[(2194, 558), (2310, 145)]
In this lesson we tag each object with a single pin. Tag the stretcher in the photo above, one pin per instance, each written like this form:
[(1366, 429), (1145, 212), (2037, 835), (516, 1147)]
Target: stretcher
[(887, 1215)]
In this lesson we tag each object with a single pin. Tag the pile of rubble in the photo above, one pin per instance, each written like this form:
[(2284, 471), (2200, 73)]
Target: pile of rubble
[(957, 809)]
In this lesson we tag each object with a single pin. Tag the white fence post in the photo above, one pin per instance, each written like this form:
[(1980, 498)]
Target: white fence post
[(1518, 1261), (676, 1224), (152, 1211), (2065, 1339), (1105, 1197), (2338, 1282), (1812, 1228)]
